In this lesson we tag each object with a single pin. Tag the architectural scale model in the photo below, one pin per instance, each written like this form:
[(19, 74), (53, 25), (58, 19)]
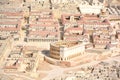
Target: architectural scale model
[(59, 39)]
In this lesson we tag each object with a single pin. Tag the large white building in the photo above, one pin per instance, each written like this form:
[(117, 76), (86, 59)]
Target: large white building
[(90, 7), (63, 50)]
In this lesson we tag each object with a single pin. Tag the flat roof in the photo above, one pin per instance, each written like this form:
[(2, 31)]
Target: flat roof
[(66, 43)]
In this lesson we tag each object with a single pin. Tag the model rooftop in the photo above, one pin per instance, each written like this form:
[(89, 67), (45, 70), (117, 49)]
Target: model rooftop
[(66, 43)]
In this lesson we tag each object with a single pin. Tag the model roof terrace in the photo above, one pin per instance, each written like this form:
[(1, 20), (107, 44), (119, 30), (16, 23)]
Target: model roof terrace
[(66, 43)]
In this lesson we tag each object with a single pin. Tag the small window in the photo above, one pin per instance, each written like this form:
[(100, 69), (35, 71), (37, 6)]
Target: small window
[(67, 18), (76, 26)]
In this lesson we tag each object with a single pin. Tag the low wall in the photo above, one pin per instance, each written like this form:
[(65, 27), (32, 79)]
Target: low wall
[(50, 60)]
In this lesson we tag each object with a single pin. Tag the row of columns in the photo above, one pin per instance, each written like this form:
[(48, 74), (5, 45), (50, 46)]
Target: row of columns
[(34, 40), (71, 56)]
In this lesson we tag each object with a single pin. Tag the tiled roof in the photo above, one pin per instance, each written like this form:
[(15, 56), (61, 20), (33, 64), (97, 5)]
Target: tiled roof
[(73, 29), (9, 29), (42, 33), (85, 19), (16, 26)]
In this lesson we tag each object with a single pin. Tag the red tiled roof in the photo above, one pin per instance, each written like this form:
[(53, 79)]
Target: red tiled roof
[(43, 33), (67, 15), (72, 38), (43, 14), (86, 19), (73, 29), (10, 28), (12, 13), (44, 25), (54, 33), (10, 22)]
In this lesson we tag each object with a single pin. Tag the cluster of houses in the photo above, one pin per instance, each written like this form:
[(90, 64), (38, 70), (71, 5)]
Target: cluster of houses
[(10, 24), (100, 71), (22, 59), (43, 27), (89, 29), (80, 27)]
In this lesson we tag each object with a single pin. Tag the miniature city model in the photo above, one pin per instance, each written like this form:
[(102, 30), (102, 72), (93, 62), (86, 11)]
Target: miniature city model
[(59, 39)]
